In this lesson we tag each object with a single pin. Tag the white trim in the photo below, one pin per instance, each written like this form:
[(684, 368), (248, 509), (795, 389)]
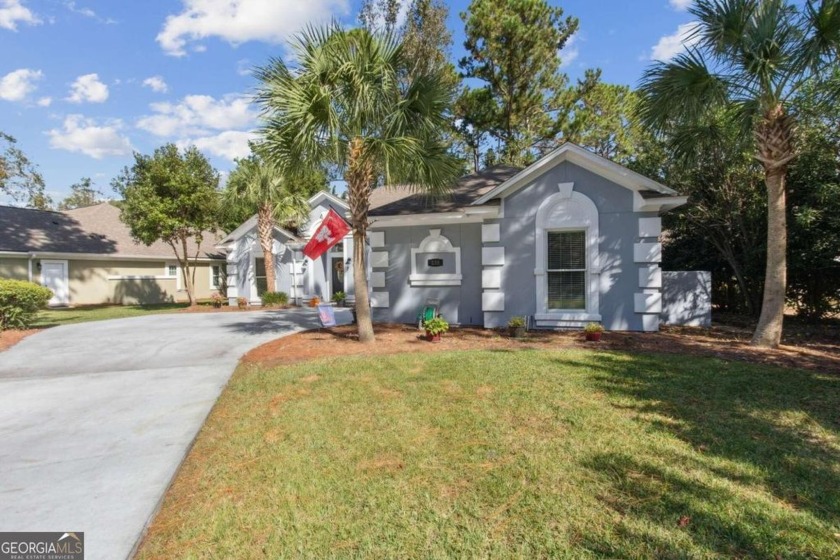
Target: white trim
[(246, 227), (435, 243), (650, 276), (469, 216), (567, 316), (315, 199), (491, 278), (647, 302), (586, 159), (107, 257), (567, 211), (380, 299), (178, 276), (379, 259), (210, 274), (140, 277), (377, 279), (57, 300), (14, 253), (376, 239)]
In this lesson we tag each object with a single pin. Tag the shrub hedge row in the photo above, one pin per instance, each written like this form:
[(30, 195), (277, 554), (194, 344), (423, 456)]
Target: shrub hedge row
[(20, 302)]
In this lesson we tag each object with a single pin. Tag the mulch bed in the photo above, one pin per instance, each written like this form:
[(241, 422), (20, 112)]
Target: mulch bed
[(724, 342), (11, 337)]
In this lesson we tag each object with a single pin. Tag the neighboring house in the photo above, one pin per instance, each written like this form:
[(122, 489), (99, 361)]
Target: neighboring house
[(87, 256), (570, 239)]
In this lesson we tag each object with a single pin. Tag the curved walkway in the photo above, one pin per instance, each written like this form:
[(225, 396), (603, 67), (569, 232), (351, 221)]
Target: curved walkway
[(96, 417)]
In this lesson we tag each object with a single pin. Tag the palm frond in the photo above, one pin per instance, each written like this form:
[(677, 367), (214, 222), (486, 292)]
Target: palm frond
[(722, 24)]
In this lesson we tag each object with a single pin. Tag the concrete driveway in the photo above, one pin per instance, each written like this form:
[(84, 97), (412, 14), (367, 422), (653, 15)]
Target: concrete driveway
[(95, 418)]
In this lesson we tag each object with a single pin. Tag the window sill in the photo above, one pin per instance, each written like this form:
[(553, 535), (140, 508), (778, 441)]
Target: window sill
[(435, 279), (567, 316)]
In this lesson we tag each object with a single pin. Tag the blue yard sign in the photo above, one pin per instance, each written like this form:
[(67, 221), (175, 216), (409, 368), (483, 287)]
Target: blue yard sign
[(326, 314)]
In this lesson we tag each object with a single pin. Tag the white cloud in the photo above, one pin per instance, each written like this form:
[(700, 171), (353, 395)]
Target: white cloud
[(13, 12), (44, 102), (18, 84), (156, 84), (88, 13), (570, 52), (198, 114), (681, 5), (238, 21), (84, 135), (670, 46), (221, 127), (230, 144), (88, 88)]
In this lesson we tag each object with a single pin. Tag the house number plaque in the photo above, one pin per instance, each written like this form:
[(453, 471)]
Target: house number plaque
[(435, 262)]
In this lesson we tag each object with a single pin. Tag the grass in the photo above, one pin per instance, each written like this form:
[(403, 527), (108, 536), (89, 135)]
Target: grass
[(55, 317), (512, 454)]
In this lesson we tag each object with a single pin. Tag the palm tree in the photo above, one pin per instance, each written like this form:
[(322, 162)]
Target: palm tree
[(263, 187), (751, 58), (352, 100)]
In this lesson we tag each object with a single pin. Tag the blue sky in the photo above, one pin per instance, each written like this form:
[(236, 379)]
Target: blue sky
[(85, 82)]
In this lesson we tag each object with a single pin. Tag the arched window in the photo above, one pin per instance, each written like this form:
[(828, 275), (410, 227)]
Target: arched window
[(567, 271), (436, 262)]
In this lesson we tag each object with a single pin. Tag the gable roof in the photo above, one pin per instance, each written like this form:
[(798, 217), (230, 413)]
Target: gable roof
[(404, 199), (321, 195), (587, 160), (247, 226), (93, 229)]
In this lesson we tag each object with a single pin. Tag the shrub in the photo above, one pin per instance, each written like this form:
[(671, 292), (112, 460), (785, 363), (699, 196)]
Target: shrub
[(274, 298), (437, 325), (20, 302), (592, 328), (217, 300), (242, 302), (315, 301), (338, 297), (516, 322)]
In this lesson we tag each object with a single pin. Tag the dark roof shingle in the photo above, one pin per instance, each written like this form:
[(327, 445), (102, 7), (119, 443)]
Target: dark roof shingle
[(93, 229), (400, 200)]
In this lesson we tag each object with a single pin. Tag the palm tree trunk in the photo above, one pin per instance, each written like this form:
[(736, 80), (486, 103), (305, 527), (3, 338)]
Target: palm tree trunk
[(768, 333), (265, 230), (360, 177)]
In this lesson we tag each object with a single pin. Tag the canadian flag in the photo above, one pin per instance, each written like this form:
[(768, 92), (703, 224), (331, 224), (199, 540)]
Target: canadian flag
[(333, 228)]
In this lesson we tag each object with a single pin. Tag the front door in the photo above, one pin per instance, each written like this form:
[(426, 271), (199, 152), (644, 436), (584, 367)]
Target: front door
[(54, 277), (337, 266)]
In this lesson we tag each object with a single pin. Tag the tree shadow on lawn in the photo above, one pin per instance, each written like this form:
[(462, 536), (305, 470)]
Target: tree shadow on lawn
[(761, 470)]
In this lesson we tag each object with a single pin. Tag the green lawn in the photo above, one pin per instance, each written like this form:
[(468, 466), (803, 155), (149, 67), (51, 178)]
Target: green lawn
[(512, 454), (61, 316)]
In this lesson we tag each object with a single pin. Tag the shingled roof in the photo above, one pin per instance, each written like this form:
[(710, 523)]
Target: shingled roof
[(93, 229), (399, 200)]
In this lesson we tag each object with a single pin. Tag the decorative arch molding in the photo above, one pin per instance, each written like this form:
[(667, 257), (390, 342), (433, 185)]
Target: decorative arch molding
[(568, 210), (436, 244)]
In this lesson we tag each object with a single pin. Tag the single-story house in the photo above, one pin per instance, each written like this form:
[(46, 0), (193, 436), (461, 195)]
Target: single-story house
[(87, 256), (571, 239)]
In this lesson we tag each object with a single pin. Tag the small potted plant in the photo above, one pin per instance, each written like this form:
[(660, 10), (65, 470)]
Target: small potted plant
[(242, 302), (593, 331), (435, 327), (217, 300), (315, 301), (516, 327), (338, 298)]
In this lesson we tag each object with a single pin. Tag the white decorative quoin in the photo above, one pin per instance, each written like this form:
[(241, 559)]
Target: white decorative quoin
[(379, 259), (650, 227), (377, 279), (379, 299), (493, 256), (491, 278), (568, 210), (647, 252), (493, 301), (648, 302), (650, 276), (377, 239), (490, 233), (435, 243)]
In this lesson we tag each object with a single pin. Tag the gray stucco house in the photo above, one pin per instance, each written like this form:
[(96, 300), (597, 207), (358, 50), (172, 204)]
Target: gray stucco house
[(570, 239)]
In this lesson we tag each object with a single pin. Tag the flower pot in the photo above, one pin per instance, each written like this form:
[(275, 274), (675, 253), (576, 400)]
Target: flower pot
[(593, 336), (432, 337), (516, 332)]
